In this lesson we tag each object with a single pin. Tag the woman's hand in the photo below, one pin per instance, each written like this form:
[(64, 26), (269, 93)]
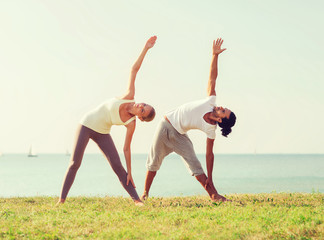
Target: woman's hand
[(150, 43), (130, 179), (217, 46)]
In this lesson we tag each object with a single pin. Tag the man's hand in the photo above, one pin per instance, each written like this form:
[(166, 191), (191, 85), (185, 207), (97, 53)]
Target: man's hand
[(217, 46), (130, 179), (150, 43), (209, 182)]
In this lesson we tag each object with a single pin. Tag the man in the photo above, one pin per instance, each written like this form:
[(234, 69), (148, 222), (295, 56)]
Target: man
[(171, 134)]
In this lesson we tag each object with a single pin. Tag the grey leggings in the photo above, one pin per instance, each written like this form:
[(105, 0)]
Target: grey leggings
[(107, 146)]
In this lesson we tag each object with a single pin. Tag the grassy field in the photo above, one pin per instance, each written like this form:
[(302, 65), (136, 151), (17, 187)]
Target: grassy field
[(249, 216)]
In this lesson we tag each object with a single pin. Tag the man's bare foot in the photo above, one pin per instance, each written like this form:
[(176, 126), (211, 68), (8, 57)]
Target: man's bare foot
[(219, 198), (144, 196), (138, 203)]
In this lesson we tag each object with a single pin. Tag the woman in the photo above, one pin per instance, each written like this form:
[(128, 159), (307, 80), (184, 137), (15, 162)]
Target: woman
[(96, 125)]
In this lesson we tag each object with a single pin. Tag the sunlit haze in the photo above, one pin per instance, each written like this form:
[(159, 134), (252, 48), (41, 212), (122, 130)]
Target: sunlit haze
[(60, 59)]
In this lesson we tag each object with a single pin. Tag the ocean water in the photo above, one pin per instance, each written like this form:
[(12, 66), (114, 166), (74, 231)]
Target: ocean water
[(43, 175)]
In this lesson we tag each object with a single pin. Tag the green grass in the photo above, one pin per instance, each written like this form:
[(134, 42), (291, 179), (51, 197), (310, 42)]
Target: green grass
[(249, 216)]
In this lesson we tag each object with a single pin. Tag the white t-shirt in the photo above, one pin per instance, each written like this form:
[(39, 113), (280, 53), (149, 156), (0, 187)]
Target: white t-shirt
[(191, 116)]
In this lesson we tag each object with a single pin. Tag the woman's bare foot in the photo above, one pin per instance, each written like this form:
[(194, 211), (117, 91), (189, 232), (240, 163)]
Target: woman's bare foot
[(138, 203), (60, 201)]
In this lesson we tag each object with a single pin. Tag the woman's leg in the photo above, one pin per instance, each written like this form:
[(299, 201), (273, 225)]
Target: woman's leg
[(83, 135), (107, 146)]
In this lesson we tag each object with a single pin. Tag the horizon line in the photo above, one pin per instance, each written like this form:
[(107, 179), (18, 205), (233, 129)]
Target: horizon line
[(224, 153)]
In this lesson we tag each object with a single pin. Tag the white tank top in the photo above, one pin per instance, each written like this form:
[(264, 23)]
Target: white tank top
[(191, 116), (105, 115)]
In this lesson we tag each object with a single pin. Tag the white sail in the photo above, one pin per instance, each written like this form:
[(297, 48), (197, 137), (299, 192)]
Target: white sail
[(31, 152), (67, 153)]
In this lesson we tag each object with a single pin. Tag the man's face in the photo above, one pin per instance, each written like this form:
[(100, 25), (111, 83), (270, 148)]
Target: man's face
[(221, 112)]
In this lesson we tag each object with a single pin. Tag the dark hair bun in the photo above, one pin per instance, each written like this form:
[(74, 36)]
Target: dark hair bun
[(227, 124), (226, 131)]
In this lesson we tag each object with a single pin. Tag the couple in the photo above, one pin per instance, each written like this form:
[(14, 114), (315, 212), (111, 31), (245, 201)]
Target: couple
[(170, 135)]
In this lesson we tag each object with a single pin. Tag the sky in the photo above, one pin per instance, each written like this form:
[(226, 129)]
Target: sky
[(60, 59)]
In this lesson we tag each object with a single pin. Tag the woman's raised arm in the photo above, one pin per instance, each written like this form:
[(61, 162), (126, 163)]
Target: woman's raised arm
[(137, 65)]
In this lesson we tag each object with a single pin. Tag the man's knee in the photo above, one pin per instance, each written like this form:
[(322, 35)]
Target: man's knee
[(198, 172), (153, 168), (154, 163)]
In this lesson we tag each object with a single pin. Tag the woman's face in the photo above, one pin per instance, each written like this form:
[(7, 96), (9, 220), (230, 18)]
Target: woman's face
[(142, 110)]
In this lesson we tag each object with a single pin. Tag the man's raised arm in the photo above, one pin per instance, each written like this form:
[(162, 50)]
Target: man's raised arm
[(213, 68)]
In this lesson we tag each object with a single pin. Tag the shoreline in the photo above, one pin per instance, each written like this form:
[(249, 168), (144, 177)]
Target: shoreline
[(180, 196)]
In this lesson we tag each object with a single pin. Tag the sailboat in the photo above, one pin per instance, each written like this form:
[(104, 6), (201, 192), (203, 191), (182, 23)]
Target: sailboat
[(67, 153), (31, 152)]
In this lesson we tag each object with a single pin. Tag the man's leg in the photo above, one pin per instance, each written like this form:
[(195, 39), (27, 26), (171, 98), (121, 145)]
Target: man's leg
[(213, 194), (184, 147), (159, 150), (148, 182)]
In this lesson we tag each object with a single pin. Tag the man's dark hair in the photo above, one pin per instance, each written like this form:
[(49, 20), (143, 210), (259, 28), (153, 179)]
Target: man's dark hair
[(227, 124)]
